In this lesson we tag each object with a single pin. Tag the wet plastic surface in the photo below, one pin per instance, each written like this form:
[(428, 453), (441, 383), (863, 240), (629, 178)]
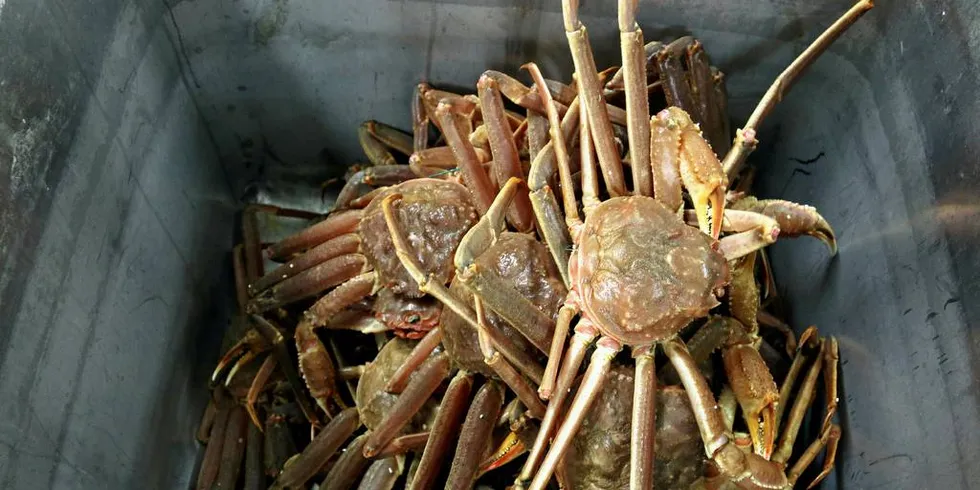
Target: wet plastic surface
[(133, 130)]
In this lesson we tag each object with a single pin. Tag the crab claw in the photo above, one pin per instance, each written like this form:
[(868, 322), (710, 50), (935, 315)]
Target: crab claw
[(700, 171), (794, 219), (756, 392), (509, 449), (243, 352)]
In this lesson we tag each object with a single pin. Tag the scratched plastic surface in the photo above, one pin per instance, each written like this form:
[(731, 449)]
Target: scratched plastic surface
[(133, 130)]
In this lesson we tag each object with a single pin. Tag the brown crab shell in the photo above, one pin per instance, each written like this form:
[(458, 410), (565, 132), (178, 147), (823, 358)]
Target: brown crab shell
[(599, 457), (641, 273), (434, 214), (524, 263)]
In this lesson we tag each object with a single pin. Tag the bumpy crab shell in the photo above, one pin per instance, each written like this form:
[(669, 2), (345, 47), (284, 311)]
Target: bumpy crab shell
[(435, 215), (524, 263), (600, 453), (642, 274), (373, 402)]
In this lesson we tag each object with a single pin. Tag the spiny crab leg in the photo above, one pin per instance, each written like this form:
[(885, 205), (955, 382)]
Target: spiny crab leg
[(745, 141), (637, 102), (593, 102), (794, 219)]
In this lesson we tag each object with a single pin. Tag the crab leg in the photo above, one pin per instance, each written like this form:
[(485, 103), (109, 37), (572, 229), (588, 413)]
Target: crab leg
[(754, 231), (565, 315), (439, 160), (310, 282), (593, 102), (677, 89), (745, 141), (330, 249), (404, 444), (721, 101), (644, 422), (383, 474), (476, 430), (743, 293), (420, 118), (445, 428), (703, 84), (390, 136), (323, 446), (419, 389), (506, 372), (421, 352), (376, 151), (664, 150), (829, 439), (273, 335), (795, 369), (506, 160), (378, 175), (637, 103), (254, 474), (546, 210), (439, 291), (537, 133), (802, 403), (279, 444), (232, 450), (258, 383), (349, 466), (207, 422), (477, 180), (241, 282), (211, 463), (585, 333), (335, 225), (560, 148), (595, 374), (830, 360), (794, 219)]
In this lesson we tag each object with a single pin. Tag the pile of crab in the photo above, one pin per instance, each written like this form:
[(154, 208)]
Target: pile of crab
[(432, 330)]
